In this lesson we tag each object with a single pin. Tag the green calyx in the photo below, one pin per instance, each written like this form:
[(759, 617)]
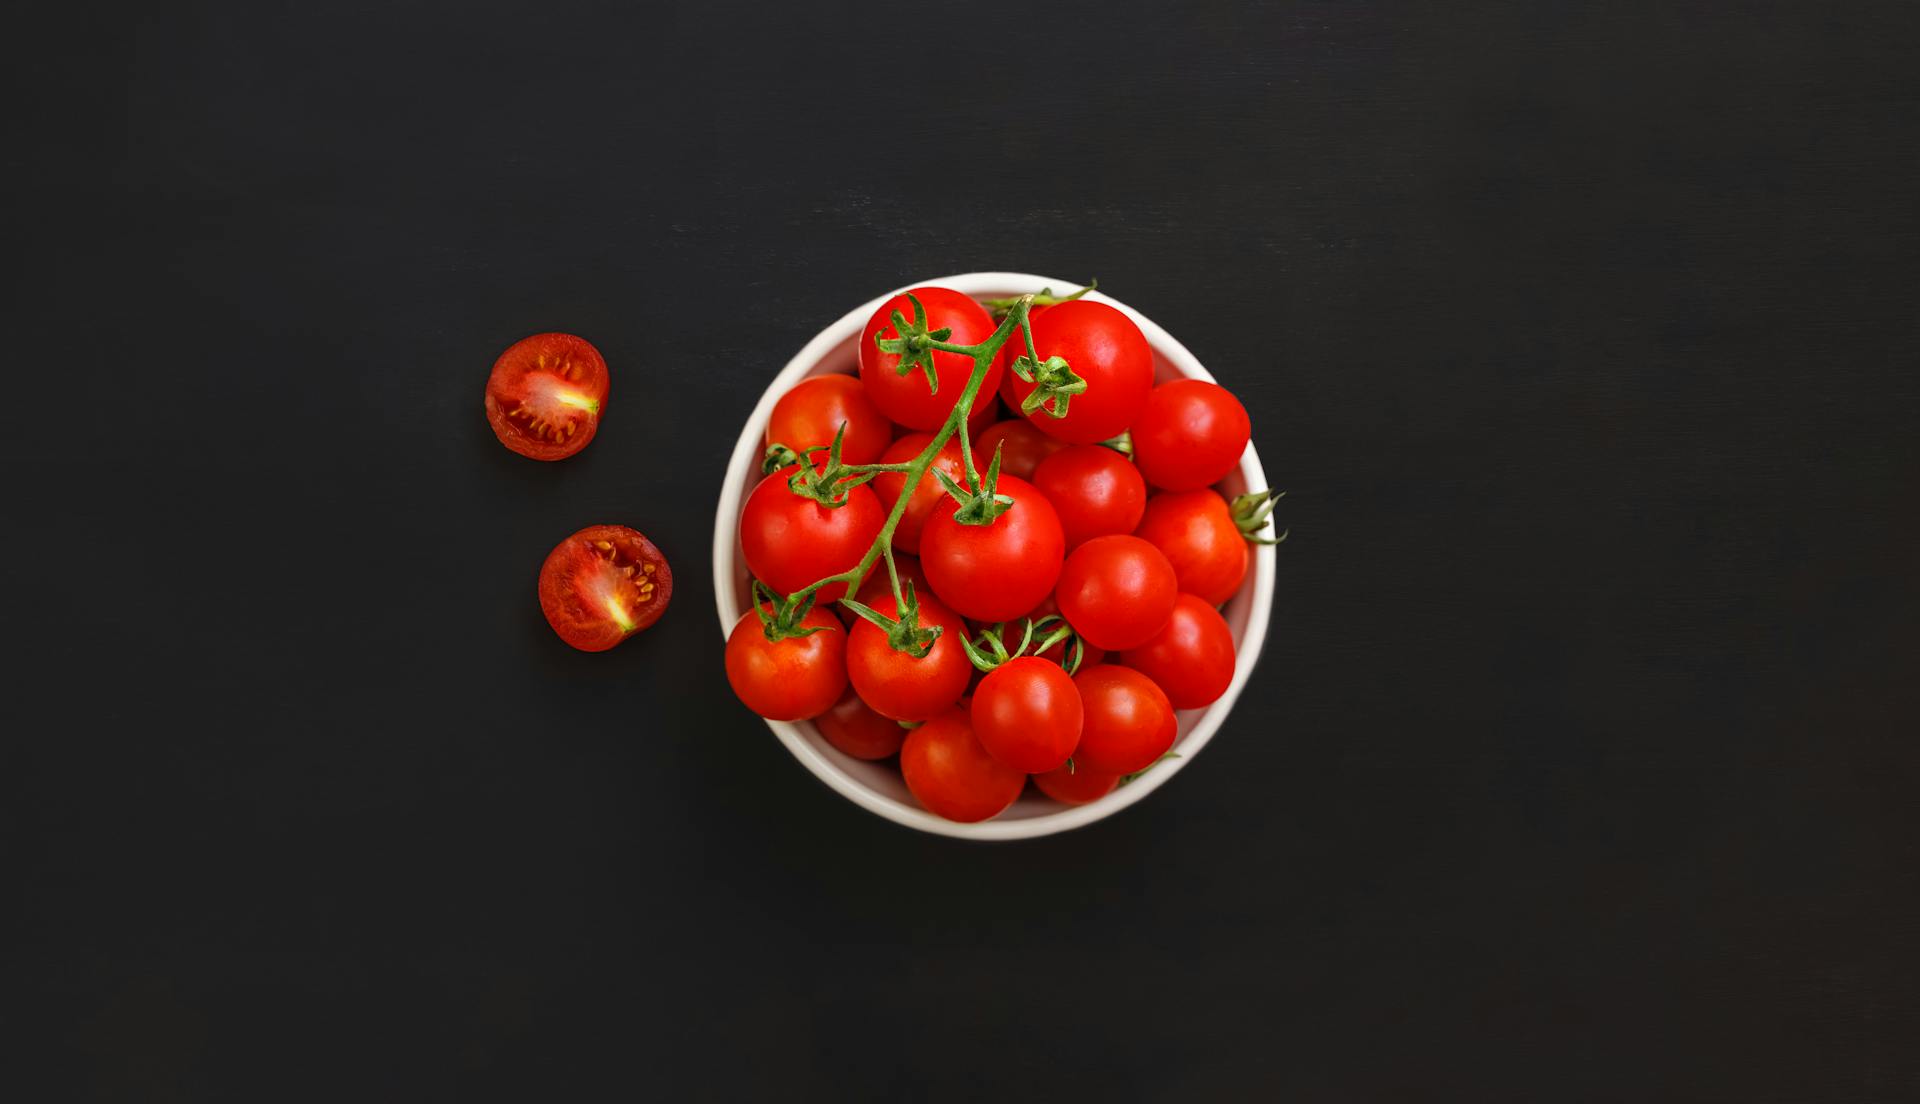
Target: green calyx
[(781, 618), (978, 508), (904, 633), (1054, 383), (913, 343), (1126, 778), (828, 484), (1252, 513), (1000, 308), (990, 649)]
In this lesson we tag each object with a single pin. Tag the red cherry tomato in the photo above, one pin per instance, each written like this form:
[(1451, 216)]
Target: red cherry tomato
[(1106, 349), (1094, 489), (545, 395), (1117, 591), (928, 495), (854, 728), (791, 542), (809, 415), (907, 398), (1190, 435), (1027, 714), (1010, 636), (879, 586), (952, 775), (791, 679), (986, 411), (602, 585), (1076, 785), (997, 571), (1129, 721), (1191, 658), (1021, 445), (1196, 532), (896, 684)]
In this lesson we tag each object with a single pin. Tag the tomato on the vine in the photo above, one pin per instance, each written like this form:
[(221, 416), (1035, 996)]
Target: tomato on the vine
[(791, 679), (927, 495), (896, 684), (791, 542), (853, 727), (1076, 785), (1022, 447), (812, 413), (1129, 720), (908, 399), (1117, 591), (602, 585), (1190, 435), (1027, 714), (1094, 489), (1000, 570), (1103, 347), (952, 775), (1010, 633), (1195, 530), (1191, 657), (545, 395), (879, 586)]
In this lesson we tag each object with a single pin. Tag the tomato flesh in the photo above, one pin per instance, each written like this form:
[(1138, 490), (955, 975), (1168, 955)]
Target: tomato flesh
[(602, 585), (545, 395)]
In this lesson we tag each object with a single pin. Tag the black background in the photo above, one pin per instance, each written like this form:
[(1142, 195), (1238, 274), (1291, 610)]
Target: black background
[(1580, 764)]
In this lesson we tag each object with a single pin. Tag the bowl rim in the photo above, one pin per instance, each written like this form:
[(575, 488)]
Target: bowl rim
[(745, 459)]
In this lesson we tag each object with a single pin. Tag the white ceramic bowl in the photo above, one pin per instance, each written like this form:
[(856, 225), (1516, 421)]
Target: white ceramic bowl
[(877, 787)]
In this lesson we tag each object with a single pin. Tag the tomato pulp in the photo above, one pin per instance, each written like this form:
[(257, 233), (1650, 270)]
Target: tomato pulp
[(545, 395), (602, 585)]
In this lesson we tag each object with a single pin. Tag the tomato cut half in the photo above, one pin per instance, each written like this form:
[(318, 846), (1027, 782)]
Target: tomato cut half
[(546, 394), (602, 585)]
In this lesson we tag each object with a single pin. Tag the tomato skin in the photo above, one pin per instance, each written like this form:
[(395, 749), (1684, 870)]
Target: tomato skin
[(928, 496), (1190, 435), (1117, 591), (1196, 532), (952, 775), (998, 571), (790, 542), (879, 586), (791, 679), (1094, 489), (1078, 786), (582, 585), (809, 415), (1129, 720), (899, 686), (1191, 658), (853, 727), (1027, 714), (545, 395), (1022, 447), (1105, 348), (907, 399)]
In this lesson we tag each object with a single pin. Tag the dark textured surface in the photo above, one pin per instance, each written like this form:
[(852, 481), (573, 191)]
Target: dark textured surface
[(1581, 763)]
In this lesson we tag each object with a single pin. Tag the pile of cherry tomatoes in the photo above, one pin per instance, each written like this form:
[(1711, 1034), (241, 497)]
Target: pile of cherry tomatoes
[(1132, 553)]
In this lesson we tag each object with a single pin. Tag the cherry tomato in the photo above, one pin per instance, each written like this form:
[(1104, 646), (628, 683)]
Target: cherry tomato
[(1076, 785), (879, 586), (1000, 570), (1191, 658), (602, 585), (1027, 714), (1190, 435), (1094, 489), (791, 542), (907, 399), (1022, 447), (1129, 721), (1010, 636), (896, 684), (791, 679), (1117, 591), (928, 495), (952, 775), (986, 411), (809, 415), (545, 395), (1106, 349), (854, 728), (1196, 532)]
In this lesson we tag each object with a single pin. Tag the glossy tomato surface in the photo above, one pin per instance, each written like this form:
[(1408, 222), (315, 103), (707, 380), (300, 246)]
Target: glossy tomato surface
[(1129, 721), (1191, 657), (1096, 491), (1022, 447), (1027, 714), (791, 679), (952, 775), (879, 585), (1076, 785), (1117, 591), (1106, 349), (1195, 530), (1012, 630), (1190, 435), (896, 684), (907, 399), (1000, 570), (809, 415), (853, 727), (928, 495), (602, 585), (546, 394), (791, 542)]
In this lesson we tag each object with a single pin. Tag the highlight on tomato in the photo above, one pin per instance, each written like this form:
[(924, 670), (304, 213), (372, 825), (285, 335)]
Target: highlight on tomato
[(1096, 491), (602, 585), (1117, 591), (1190, 434), (545, 395)]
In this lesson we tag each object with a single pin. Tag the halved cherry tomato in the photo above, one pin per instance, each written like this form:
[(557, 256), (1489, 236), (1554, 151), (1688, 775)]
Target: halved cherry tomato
[(908, 399), (1027, 714), (1196, 532), (1103, 347), (1117, 591), (1191, 658), (1021, 445), (545, 395), (791, 679), (1076, 785), (602, 585), (809, 415), (854, 728), (952, 775), (1129, 721), (1000, 570), (1096, 491), (927, 495), (1190, 435), (791, 542), (896, 684)]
